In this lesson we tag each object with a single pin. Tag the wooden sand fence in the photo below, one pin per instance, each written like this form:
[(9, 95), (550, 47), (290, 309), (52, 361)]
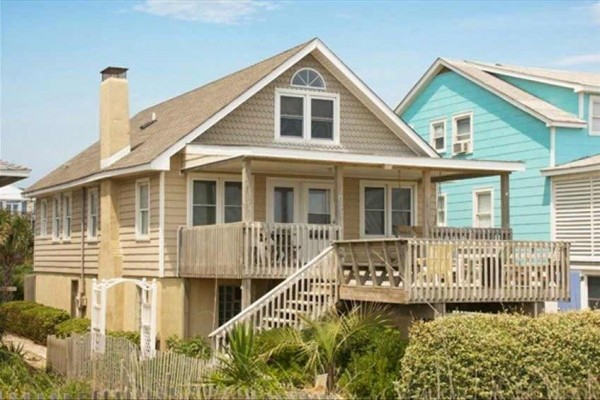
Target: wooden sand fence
[(121, 368)]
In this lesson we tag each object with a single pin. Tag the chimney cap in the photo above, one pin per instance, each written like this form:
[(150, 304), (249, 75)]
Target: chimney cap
[(114, 72)]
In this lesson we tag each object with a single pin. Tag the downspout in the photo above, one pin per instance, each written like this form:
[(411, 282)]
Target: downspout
[(81, 296)]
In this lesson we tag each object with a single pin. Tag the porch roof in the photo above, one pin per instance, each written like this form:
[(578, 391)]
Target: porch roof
[(443, 169)]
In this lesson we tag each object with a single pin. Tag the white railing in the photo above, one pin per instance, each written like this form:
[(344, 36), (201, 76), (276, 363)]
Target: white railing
[(434, 270), (451, 233), (311, 291), (251, 249)]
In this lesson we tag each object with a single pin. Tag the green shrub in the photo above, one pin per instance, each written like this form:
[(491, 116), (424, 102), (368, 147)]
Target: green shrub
[(194, 347), (133, 337), (371, 362), (504, 356), (74, 325), (31, 320)]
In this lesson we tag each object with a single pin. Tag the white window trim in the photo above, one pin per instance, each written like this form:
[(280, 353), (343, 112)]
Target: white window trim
[(220, 180), (444, 197), (56, 218), (476, 192), (387, 185), (138, 235), (455, 118), (301, 187), (91, 237), (431, 137), (308, 87), (306, 96), (67, 198), (590, 122), (44, 218)]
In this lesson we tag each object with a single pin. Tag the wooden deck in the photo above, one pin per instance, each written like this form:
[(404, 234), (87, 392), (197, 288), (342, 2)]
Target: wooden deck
[(452, 271), (251, 249)]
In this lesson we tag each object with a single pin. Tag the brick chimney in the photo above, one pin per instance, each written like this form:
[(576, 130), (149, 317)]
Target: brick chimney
[(114, 115)]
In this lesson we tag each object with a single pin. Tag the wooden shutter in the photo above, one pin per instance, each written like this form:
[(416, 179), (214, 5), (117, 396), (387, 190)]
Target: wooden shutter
[(577, 214)]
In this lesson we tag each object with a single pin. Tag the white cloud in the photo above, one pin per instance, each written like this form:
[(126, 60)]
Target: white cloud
[(583, 59), (211, 11)]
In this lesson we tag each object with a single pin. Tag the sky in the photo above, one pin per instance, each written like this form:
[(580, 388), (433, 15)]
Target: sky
[(51, 52)]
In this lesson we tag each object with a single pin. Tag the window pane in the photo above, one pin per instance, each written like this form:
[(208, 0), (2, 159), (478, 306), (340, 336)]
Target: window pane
[(233, 193), (323, 219), (292, 106), (484, 203), (144, 222), (284, 204), (594, 292), (291, 127), (463, 128), (230, 302), (233, 214), (321, 108), (401, 199), (484, 221), (143, 189), (401, 218), (318, 201), (204, 215), (205, 192), (596, 124), (374, 198), (322, 129), (322, 119), (374, 222), (596, 109)]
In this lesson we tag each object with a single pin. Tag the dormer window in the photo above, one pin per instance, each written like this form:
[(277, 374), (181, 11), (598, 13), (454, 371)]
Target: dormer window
[(308, 78)]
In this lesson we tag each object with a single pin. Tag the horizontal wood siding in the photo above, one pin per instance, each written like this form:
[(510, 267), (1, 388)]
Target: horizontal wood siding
[(63, 256), (253, 122), (175, 213), (501, 132), (140, 257)]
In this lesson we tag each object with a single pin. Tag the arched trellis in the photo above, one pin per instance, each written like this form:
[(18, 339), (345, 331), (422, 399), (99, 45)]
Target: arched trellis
[(147, 320)]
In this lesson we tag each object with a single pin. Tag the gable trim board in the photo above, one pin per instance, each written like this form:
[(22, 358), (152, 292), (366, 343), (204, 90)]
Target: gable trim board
[(440, 64)]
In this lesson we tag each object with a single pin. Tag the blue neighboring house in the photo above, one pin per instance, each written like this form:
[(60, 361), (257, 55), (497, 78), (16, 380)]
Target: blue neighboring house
[(545, 118)]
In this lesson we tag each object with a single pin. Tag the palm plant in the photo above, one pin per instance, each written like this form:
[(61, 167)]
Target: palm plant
[(242, 370), (322, 340)]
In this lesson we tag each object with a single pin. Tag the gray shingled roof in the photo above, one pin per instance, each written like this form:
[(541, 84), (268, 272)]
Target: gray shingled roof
[(526, 100), (175, 118), (569, 77)]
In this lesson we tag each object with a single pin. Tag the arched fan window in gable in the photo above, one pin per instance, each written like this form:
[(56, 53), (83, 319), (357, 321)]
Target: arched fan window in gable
[(308, 78)]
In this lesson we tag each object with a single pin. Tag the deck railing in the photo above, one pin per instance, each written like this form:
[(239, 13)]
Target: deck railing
[(451, 233), (251, 249), (435, 270)]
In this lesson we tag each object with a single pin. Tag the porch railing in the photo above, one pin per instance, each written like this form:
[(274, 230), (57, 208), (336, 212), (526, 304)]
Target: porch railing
[(451, 233), (435, 270), (251, 249)]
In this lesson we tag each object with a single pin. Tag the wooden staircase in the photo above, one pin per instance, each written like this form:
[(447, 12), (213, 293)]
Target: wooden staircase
[(310, 291)]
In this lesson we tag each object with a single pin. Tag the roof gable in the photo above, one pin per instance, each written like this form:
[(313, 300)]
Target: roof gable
[(185, 117), (544, 111)]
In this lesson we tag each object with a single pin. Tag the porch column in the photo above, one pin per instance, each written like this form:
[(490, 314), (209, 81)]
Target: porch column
[(339, 198), (426, 181), (505, 200), (247, 216)]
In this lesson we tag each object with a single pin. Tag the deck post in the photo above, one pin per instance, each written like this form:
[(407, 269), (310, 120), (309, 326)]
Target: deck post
[(339, 198), (426, 181), (247, 216), (505, 200)]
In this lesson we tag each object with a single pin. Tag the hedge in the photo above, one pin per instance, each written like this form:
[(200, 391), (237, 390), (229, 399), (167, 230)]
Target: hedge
[(31, 320), (74, 325), (504, 356)]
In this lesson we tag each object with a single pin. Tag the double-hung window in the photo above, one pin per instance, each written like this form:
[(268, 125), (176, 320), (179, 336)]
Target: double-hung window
[(442, 207), (215, 200), (299, 201), (462, 133), (92, 213), (306, 116), (483, 208), (384, 206), (319, 206), (142, 212), (437, 134), (56, 218), (595, 115), (67, 205), (43, 218), (230, 302)]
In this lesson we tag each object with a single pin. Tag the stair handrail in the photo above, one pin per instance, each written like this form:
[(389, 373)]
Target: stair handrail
[(247, 313)]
